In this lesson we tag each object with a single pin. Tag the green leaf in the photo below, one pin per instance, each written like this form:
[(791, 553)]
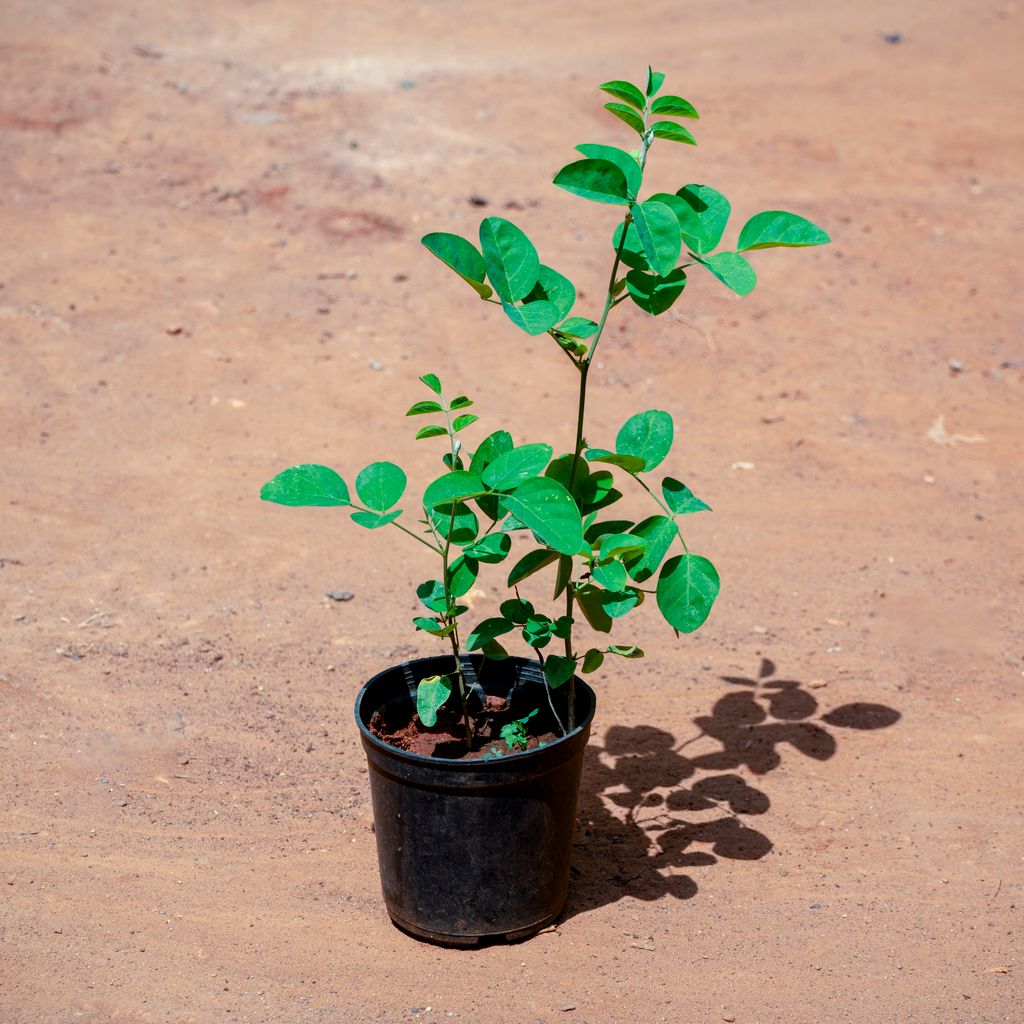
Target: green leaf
[(578, 327), (425, 432), (486, 631), (512, 468), (732, 270), (599, 180), (654, 80), (627, 114), (655, 294), (494, 651), (687, 588), (462, 402), (511, 260), (611, 576), (380, 485), (558, 669), (658, 230), (691, 227), (555, 289), (529, 564), (593, 660), (431, 693), (563, 576), (778, 228), (673, 132), (625, 162), (461, 422), (536, 317), (712, 208), (616, 545), (462, 257), (489, 449), (432, 382), (537, 631), (462, 574), (431, 593), (646, 436), (674, 106), (433, 626), (630, 463), (619, 603), (457, 520), (624, 91), (419, 408), (452, 487), (373, 520), (595, 531), (492, 548), (517, 610), (626, 651), (680, 499), (632, 250), (306, 485), (548, 509), (589, 598), (659, 532)]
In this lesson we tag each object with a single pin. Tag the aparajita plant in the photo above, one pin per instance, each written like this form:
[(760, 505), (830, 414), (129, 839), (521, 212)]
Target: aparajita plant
[(602, 567)]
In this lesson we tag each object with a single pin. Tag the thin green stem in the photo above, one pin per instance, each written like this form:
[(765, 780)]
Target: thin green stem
[(668, 512)]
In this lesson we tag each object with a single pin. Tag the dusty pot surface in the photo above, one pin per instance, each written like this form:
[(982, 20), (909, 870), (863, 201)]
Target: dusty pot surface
[(473, 849)]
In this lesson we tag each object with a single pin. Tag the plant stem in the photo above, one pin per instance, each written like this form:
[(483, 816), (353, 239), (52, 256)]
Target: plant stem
[(668, 512), (547, 690)]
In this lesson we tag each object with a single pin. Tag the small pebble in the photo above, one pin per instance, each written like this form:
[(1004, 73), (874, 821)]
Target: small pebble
[(892, 38), (815, 906), (730, 1017), (340, 595)]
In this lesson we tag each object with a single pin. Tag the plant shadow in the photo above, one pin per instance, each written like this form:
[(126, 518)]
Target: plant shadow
[(653, 808)]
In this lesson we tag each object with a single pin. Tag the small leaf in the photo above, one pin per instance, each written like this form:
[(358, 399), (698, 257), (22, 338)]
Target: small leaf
[(595, 531), (674, 106), (431, 693), (380, 485), (432, 626), (779, 228), (611, 576), (554, 288), (599, 180), (537, 631), (425, 432), (492, 548), (489, 449), (712, 208), (517, 610), (563, 576), (461, 422), (680, 498), (630, 463), (529, 564), (732, 270), (658, 231), (373, 520), (623, 651), (462, 257), (494, 651), (431, 593), (432, 382), (673, 132), (654, 80), (623, 160), (647, 436), (511, 260), (462, 402), (558, 669), (486, 631), (512, 468), (462, 574), (307, 485), (419, 408), (593, 660), (687, 588), (451, 487), (617, 545), (591, 604), (655, 294), (626, 92), (691, 227), (619, 603), (457, 521), (548, 509), (627, 114), (536, 317), (631, 252), (659, 532), (578, 327)]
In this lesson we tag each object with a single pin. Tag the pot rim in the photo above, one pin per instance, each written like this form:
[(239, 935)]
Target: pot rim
[(475, 764)]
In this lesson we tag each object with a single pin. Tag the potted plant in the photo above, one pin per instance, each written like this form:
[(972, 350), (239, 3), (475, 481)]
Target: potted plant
[(475, 754)]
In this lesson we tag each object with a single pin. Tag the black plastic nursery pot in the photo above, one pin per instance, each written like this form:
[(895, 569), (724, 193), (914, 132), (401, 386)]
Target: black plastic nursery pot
[(473, 850)]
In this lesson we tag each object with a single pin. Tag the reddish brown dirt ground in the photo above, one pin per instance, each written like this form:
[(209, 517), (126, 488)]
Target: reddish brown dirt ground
[(210, 271)]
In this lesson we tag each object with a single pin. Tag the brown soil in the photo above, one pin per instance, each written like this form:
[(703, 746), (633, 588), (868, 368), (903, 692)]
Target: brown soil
[(808, 812)]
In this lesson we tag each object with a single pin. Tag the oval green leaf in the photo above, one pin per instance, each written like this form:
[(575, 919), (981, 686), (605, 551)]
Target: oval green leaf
[(627, 114), (512, 468), (492, 548), (306, 485), (654, 80), (461, 256), (646, 436), (674, 106), (374, 520), (511, 260), (431, 693), (659, 532), (680, 499), (712, 208), (548, 509), (690, 225), (488, 630), (452, 487), (599, 180), (558, 669), (655, 294), (658, 230), (380, 485), (535, 317), (458, 521), (632, 250), (625, 162), (434, 431), (732, 270), (687, 588), (555, 288), (624, 91), (673, 132), (778, 228), (529, 564)]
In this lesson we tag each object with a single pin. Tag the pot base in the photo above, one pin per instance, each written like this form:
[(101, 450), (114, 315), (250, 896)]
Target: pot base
[(472, 941)]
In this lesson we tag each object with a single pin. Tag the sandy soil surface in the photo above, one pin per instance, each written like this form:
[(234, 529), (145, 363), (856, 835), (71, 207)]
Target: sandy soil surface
[(210, 270)]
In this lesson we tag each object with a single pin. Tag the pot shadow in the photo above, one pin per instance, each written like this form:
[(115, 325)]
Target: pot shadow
[(652, 808)]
